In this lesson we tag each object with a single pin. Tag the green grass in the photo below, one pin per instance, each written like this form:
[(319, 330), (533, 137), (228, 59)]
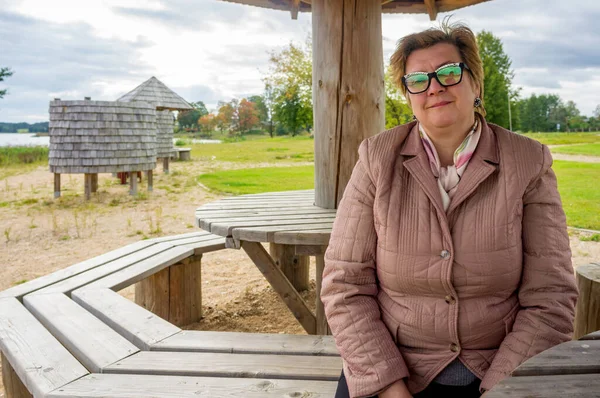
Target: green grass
[(585, 149), (261, 150), (580, 195), (22, 155), (257, 180), (565, 138)]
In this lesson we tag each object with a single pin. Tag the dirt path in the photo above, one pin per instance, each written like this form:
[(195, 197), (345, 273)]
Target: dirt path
[(575, 158), (40, 235)]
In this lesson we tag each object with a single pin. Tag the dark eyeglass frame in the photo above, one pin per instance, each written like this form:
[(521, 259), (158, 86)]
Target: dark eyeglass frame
[(431, 75)]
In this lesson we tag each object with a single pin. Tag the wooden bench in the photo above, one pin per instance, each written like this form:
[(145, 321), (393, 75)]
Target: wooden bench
[(184, 153), (70, 334)]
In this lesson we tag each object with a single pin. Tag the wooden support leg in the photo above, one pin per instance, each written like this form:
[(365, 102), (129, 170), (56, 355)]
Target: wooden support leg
[(281, 285), (587, 312), (88, 186), (166, 165), (322, 326), (94, 182), (149, 178), (13, 386), (175, 293), (56, 185), (133, 183), (294, 267)]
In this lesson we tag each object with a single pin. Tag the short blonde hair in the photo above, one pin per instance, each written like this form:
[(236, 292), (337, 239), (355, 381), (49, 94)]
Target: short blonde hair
[(456, 34)]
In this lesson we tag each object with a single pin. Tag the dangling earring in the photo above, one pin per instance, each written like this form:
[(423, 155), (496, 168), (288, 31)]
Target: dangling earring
[(414, 118), (477, 102)]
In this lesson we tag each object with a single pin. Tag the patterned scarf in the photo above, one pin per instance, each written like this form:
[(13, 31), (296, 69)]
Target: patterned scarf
[(449, 177)]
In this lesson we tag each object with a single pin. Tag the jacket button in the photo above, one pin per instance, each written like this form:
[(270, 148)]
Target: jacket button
[(450, 300), (454, 347), (445, 254)]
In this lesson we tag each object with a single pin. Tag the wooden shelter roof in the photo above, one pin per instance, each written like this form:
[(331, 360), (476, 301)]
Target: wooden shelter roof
[(157, 93), (431, 7)]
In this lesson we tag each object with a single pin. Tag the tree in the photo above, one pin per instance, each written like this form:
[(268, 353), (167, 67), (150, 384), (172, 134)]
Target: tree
[(247, 115), (4, 73), (397, 110), (497, 78), (224, 116), (190, 117), (207, 123), (291, 81)]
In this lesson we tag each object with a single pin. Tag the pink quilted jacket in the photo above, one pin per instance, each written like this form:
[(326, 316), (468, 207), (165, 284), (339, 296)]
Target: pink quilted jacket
[(408, 287)]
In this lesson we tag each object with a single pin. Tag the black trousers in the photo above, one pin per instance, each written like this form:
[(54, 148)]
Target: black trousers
[(433, 390)]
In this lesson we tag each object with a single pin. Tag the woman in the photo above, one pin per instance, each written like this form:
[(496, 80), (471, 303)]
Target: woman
[(449, 261)]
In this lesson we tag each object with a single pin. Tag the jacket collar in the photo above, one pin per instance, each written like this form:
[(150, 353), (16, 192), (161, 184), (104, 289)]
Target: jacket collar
[(484, 162), (487, 148)]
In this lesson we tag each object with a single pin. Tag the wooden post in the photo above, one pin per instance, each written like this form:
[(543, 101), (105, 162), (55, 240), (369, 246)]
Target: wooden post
[(88, 186), (149, 178), (166, 165), (56, 185), (95, 182), (175, 293), (322, 326), (13, 386), (587, 312), (133, 183), (348, 89), (295, 267)]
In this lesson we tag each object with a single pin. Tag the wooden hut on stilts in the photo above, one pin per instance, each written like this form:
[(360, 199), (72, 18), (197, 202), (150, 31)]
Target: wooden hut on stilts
[(165, 100), (91, 137)]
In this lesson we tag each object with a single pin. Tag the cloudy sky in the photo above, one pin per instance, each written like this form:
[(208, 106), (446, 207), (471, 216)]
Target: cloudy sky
[(211, 50)]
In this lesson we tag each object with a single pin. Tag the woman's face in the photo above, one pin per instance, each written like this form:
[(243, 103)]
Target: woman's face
[(440, 107)]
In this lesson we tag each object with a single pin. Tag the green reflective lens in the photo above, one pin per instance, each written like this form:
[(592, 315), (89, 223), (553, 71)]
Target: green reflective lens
[(417, 82), (449, 75)]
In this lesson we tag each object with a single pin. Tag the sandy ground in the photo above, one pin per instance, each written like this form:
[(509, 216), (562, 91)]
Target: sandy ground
[(41, 235)]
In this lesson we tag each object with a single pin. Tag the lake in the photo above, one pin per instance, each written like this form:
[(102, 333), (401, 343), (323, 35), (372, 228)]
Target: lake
[(27, 139), (10, 139)]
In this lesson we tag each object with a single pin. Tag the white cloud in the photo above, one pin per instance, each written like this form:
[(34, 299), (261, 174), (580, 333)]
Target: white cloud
[(210, 50)]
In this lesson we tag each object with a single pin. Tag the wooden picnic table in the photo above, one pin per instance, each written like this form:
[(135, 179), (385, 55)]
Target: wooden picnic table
[(571, 369), (295, 229)]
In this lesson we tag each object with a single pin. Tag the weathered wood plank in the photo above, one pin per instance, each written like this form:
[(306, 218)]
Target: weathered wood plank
[(281, 285), (82, 279), (139, 386), (91, 341), (76, 269), (41, 362), (142, 269), (230, 365), (249, 212), (309, 237), (591, 336), (300, 193), (571, 386), (206, 222), (267, 233), (573, 357), (246, 343), (226, 229), (139, 326)]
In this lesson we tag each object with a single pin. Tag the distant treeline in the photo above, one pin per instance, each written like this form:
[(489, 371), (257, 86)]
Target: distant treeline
[(16, 127)]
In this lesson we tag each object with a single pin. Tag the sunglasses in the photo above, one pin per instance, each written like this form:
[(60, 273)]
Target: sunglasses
[(447, 75)]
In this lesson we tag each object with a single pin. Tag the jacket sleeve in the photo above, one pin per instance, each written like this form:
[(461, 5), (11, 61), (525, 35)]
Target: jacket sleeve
[(548, 292), (371, 359)]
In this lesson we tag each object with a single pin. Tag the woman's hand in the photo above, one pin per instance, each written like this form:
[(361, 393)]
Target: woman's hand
[(396, 390)]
